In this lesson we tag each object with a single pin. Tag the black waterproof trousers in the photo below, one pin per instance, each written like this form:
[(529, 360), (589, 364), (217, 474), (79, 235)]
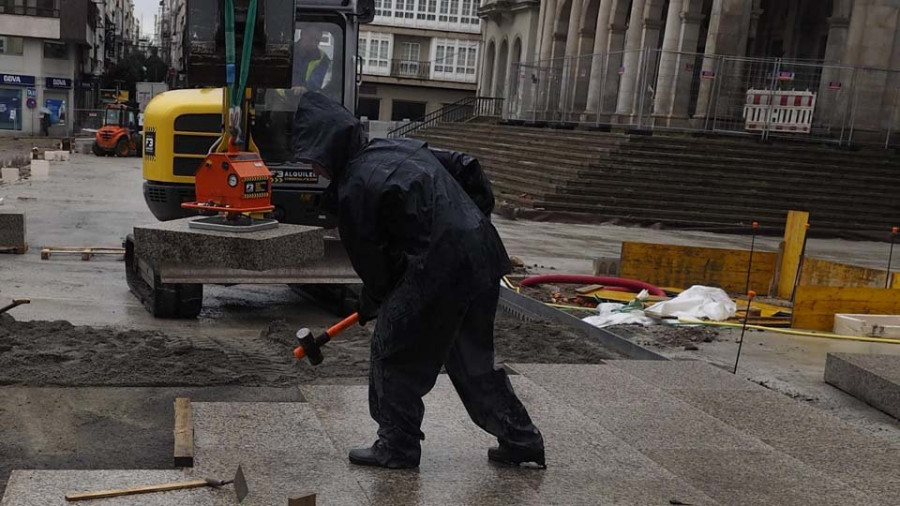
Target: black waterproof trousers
[(462, 340)]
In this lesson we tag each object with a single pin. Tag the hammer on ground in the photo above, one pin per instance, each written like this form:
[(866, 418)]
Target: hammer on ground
[(240, 488), (15, 302), (311, 346)]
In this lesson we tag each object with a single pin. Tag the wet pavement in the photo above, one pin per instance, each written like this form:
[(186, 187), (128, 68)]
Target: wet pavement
[(92, 201), (619, 433)]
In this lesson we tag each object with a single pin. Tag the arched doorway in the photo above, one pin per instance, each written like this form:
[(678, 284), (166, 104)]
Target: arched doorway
[(487, 84), (502, 63)]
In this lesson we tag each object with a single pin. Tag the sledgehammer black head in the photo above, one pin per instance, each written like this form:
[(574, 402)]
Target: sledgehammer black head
[(309, 347)]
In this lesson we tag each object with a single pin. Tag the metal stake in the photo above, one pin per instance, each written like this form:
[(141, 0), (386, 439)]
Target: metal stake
[(755, 227), (887, 276), (750, 296)]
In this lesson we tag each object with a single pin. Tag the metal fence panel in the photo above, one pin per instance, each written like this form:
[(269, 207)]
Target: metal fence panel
[(87, 119), (660, 90)]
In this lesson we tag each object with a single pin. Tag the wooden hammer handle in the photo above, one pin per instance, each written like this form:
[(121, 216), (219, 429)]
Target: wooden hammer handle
[(147, 489)]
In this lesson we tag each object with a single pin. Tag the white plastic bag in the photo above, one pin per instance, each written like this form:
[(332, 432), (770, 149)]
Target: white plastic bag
[(610, 313), (699, 302)]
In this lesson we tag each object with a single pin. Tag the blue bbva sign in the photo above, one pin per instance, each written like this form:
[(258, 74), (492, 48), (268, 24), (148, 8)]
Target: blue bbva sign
[(58, 83), (16, 80)]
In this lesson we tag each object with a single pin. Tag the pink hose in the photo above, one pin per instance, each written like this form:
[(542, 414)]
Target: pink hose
[(631, 284)]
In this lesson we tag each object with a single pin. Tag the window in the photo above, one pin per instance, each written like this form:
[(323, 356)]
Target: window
[(10, 109), (44, 8), (384, 7), (375, 51), (11, 45), (426, 10), (406, 9), (469, 14), (403, 110), (454, 11), (455, 60), (369, 108), (55, 51), (409, 63), (444, 11)]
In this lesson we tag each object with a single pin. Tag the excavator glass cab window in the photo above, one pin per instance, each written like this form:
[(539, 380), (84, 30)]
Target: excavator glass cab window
[(317, 66)]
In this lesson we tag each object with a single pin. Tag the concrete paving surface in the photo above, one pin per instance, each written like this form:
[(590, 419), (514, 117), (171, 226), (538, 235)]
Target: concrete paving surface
[(619, 433)]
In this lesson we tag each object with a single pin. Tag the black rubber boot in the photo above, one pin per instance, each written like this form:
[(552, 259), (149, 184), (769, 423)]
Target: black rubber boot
[(375, 456), (514, 456)]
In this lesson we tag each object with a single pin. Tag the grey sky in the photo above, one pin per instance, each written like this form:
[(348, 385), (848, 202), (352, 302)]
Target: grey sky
[(144, 10)]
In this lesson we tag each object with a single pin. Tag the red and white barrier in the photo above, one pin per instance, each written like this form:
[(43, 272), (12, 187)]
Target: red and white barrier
[(779, 111)]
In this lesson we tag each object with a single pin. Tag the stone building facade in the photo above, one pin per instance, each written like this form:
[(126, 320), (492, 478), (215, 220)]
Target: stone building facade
[(667, 58)]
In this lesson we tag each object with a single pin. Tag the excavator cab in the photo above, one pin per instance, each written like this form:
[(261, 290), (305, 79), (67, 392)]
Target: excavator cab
[(297, 46)]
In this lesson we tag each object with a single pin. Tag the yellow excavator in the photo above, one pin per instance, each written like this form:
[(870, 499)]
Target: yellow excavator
[(307, 44), (293, 47)]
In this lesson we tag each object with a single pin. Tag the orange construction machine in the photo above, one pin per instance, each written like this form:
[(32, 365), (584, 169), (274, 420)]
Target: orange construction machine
[(120, 133)]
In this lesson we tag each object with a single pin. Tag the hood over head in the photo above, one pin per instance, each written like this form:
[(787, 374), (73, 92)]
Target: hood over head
[(325, 133)]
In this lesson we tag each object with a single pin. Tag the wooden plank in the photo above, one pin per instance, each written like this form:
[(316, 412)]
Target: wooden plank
[(184, 433), (817, 272), (620, 296), (815, 306), (794, 238), (672, 265), (165, 487), (304, 500)]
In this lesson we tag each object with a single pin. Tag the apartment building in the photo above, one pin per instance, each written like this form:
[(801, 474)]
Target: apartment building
[(418, 55), (52, 53)]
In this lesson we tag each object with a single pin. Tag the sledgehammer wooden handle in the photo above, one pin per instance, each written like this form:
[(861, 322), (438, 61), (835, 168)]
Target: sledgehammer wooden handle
[(181, 485)]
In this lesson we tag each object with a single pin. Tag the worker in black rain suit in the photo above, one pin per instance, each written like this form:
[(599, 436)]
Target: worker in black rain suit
[(431, 264)]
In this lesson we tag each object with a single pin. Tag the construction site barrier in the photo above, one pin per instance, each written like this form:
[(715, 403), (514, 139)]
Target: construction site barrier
[(780, 111)]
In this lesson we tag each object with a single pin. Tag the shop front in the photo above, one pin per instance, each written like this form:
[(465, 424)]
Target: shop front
[(15, 91), (57, 101)]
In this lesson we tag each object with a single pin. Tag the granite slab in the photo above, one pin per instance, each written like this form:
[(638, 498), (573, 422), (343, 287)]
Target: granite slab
[(874, 379), (175, 243)]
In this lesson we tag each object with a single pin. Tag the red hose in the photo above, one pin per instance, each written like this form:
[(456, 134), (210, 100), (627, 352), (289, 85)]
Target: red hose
[(631, 284)]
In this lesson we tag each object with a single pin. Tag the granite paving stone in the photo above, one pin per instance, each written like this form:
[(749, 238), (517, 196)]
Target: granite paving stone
[(576, 448), (642, 415), (774, 418), (173, 242), (12, 228), (683, 375), (282, 447), (49, 488), (874, 379), (605, 384), (759, 478)]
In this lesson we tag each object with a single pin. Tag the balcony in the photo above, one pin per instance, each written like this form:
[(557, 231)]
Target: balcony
[(411, 69)]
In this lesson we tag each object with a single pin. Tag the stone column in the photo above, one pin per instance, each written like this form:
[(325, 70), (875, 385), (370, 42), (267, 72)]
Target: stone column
[(632, 58), (601, 49), (668, 59), (570, 65), (873, 25), (688, 66), (729, 27), (612, 79), (831, 103), (547, 32)]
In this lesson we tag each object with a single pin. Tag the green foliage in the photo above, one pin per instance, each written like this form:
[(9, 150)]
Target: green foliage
[(133, 68)]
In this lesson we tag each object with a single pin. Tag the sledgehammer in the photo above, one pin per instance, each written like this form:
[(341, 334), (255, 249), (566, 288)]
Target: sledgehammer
[(311, 346)]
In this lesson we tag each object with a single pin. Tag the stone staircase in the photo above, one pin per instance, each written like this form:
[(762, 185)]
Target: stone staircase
[(682, 181), (639, 433)]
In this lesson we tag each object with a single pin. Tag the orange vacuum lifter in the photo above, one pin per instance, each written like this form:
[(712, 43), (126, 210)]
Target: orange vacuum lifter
[(238, 186)]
